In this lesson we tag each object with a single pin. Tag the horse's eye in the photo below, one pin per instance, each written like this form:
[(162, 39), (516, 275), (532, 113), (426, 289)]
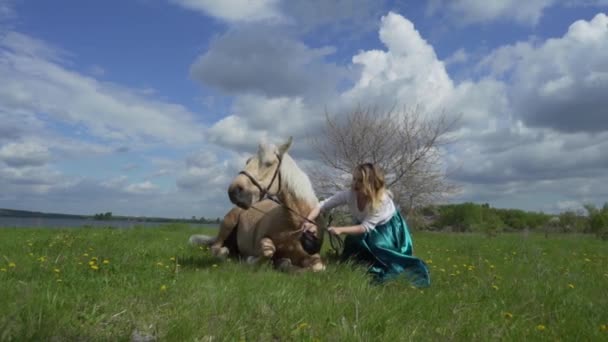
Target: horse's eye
[(268, 164)]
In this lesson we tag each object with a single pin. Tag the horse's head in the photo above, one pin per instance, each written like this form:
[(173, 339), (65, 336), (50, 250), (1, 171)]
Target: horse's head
[(260, 176)]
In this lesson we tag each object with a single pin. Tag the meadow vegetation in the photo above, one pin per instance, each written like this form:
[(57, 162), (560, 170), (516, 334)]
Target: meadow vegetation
[(148, 283)]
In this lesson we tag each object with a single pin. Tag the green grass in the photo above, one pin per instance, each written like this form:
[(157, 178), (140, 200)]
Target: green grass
[(506, 288)]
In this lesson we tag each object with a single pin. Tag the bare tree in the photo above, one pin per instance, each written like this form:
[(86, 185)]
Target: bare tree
[(403, 143)]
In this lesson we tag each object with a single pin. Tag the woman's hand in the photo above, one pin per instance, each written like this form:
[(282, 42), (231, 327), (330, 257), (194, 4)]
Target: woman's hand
[(306, 226)]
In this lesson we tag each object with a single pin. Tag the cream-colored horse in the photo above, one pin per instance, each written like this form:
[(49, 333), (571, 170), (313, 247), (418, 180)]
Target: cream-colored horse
[(264, 228)]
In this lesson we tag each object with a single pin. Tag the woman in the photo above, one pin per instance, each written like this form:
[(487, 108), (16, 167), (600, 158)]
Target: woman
[(380, 238)]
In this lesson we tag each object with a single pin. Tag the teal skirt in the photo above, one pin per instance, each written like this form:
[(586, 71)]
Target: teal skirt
[(387, 251)]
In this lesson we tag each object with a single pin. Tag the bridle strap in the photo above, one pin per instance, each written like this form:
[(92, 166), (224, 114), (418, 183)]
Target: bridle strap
[(266, 191)]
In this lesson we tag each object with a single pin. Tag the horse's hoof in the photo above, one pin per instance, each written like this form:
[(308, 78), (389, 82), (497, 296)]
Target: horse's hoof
[(251, 260), (284, 265), (318, 267), (221, 253)]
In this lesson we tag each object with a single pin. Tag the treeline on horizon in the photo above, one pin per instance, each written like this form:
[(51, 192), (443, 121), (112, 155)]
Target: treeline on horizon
[(105, 216), (473, 217)]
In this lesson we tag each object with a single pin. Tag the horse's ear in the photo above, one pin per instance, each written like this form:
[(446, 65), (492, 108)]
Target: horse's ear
[(283, 148)]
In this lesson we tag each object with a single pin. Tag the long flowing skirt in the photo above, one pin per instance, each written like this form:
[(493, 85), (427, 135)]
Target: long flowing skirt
[(387, 250)]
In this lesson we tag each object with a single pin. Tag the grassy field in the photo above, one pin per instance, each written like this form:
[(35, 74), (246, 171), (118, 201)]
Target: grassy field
[(145, 283)]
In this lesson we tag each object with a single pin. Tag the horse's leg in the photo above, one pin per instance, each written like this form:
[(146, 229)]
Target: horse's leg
[(293, 251), (267, 247), (230, 221)]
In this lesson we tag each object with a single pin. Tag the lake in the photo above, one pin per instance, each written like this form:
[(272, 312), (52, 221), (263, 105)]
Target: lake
[(40, 222)]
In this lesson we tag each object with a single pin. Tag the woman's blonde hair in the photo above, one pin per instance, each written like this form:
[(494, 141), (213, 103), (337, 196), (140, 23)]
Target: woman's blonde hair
[(370, 179)]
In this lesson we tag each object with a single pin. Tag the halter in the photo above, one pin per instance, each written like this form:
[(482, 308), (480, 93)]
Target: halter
[(266, 191)]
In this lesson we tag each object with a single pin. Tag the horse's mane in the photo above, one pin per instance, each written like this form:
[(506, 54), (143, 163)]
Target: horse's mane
[(297, 181)]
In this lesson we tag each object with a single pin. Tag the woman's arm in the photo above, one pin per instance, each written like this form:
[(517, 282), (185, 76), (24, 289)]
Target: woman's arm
[(348, 230)]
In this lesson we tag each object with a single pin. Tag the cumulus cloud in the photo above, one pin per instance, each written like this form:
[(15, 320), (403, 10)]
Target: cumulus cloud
[(265, 61), (561, 83), (235, 10), (141, 188), (24, 154), (34, 82), (408, 72), (204, 174), (481, 11)]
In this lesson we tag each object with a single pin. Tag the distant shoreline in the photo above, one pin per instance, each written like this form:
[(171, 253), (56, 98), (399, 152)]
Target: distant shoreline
[(37, 214)]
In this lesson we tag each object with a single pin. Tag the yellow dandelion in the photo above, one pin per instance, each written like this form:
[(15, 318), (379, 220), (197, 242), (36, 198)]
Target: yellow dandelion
[(30, 244), (163, 287), (442, 270), (172, 258), (106, 261), (56, 270), (571, 286), (12, 265), (94, 267), (540, 327), (494, 286), (91, 263), (471, 268), (86, 254), (492, 267), (508, 315), (94, 258), (303, 325), (30, 254), (2, 269), (603, 327), (429, 261), (159, 264)]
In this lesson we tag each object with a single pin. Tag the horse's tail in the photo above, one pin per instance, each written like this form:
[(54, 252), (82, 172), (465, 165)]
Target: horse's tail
[(201, 240)]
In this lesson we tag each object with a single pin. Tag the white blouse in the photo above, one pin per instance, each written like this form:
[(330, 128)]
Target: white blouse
[(369, 220)]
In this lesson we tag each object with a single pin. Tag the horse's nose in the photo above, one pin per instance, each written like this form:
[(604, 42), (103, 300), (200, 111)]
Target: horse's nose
[(234, 192)]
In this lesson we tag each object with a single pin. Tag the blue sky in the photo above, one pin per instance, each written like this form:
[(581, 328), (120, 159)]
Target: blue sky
[(149, 107)]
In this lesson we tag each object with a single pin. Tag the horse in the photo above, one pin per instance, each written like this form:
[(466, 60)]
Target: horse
[(260, 228)]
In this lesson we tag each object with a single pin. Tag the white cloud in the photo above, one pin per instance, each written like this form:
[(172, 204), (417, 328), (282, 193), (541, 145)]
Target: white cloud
[(257, 118), (235, 10), (24, 154), (459, 56), (34, 82), (560, 83), (141, 188), (479, 11), (409, 72), (266, 61)]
